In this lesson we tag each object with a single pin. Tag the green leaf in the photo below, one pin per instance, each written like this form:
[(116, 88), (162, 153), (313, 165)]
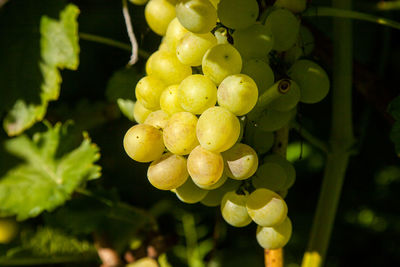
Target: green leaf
[(36, 47), (49, 173), (126, 106)]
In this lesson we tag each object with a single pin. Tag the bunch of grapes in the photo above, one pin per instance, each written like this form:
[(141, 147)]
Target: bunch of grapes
[(222, 81)]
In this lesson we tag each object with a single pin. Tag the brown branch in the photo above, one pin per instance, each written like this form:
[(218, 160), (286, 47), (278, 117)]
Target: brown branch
[(3, 2), (131, 34)]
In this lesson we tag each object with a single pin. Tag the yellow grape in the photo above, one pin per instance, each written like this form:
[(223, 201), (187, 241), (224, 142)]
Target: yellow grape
[(241, 161), (189, 192), (198, 16), (266, 207), (8, 230), (140, 112), (219, 183), (158, 14), (192, 47), (220, 61), (168, 172), (158, 119), (238, 93), (217, 129), (205, 167), (233, 209), (143, 143), (197, 93), (238, 14), (169, 100), (274, 237), (175, 33), (148, 91), (180, 133), (215, 3)]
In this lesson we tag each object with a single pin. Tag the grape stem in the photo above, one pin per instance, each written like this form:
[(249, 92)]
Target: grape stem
[(131, 34), (341, 140)]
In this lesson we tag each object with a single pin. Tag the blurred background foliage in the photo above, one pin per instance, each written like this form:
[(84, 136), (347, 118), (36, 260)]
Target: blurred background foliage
[(121, 204)]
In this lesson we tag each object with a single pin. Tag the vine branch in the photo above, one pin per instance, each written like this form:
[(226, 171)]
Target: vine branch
[(131, 34)]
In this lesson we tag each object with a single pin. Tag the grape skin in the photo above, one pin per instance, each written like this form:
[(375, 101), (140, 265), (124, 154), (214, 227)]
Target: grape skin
[(192, 47), (143, 143), (238, 14), (174, 34), (261, 141), (198, 16), (266, 207), (287, 101), (233, 209), (180, 133), (296, 6), (272, 120), (169, 100), (158, 14), (140, 113), (274, 237), (241, 161), (260, 72), (219, 183), (158, 119), (168, 172), (214, 197), (189, 192), (148, 91)]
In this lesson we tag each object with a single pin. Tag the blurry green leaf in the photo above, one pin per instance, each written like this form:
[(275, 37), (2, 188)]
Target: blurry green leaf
[(394, 110), (126, 106), (35, 48), (122, 83), (46, 178)]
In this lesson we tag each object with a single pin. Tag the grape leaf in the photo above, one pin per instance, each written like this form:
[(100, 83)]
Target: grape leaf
[(36, 47), (394, 110), (48, 173)]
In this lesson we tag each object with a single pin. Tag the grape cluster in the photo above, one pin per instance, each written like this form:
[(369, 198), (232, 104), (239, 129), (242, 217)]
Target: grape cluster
[(201, 102)]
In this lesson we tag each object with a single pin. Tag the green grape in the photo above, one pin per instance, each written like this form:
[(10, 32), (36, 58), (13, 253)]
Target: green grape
[(205, 167), (283, 193), (214, 197), (285, 28), (143, 143), (312, 80), (219, 183), (8, 230), (192, 47), (260, 72), (180, 133), (233, 209), (174, 34), (222, 36), (158, 119), (274, 237), (276, 173), (215, 3), (220, 61), (197, 93), (272, 120), (241, 161), (238, 93), (148, 91), (148, 67), (289, 100), (238, 14), (140, 113), (253, 42), (217, 129), (158, 14), (198, 16), (169, 100), (303, 47), (143, 262), (167, 67), (266, 207), (138, 2), (296, 6), (261, 141), (190, 193), (168, 172)]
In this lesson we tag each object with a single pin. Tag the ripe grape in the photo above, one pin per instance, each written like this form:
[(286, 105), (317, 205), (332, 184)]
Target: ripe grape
[(272, 120), (148, 91), (289, 100), (192, 47), (241, 161), (285, 28), (260, 72), (140, 113), (167, 67), (189, 192), (8, 230), (274, 237), (158, 119), (220, 182), (312, 80), (266, 207), (180, 133), (217, 129), (174, 34), (143, 143), (220, 61), (296, 6), (260, 140), (233, 209), (198, 16), (214, 197), (253, 42), (158, 14), (138, 2), (238, 14), (169, 100), (205, 167), (143, 262), (197, 93), (168, 172), (238, 93)]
